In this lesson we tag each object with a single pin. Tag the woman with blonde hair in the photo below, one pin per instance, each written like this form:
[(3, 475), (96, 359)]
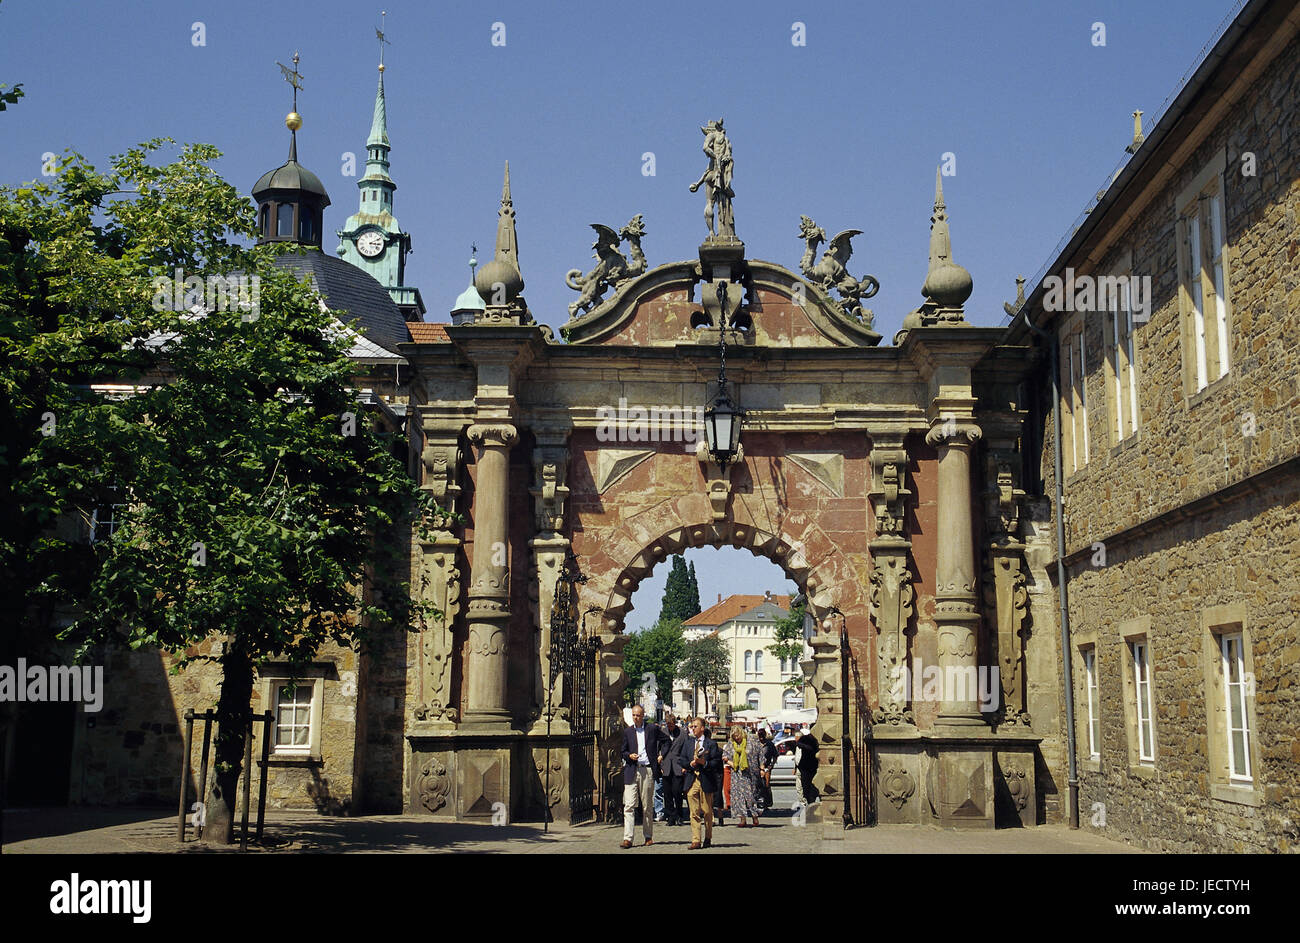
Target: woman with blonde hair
[(744, 756)]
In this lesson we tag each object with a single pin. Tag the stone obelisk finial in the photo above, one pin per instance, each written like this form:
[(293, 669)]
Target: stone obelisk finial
[(500, 281)]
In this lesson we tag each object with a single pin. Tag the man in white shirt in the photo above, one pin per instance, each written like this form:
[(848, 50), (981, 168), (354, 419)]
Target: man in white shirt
[(643, 749)]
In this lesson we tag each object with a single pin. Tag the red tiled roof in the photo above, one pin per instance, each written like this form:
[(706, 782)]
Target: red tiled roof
[(422, 332), (733, 606)]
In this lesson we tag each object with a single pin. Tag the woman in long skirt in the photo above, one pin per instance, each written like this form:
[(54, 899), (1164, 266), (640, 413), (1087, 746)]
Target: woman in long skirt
[(744, 755)]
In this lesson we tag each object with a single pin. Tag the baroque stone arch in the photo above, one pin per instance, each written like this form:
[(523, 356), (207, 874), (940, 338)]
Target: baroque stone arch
[(791, 555)]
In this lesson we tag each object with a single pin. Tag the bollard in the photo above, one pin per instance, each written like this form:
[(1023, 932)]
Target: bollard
[(267, 720), (203, 768), (185, 771), (248, 781)]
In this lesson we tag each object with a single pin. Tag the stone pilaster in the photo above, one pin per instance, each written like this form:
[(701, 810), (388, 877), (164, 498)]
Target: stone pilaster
[(489, 592), (549, 549), (1006, 593), (828, 730), (891, 578), (439, 581), (954, 433)]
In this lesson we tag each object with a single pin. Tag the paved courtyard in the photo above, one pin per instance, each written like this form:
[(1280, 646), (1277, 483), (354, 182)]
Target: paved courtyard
[(118, 831)]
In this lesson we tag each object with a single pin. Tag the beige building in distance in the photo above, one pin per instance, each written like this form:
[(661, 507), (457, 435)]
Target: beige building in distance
[(747, 626)]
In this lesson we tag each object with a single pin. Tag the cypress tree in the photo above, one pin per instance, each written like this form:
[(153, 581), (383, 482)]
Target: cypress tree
[(677, 606), (693, 592)]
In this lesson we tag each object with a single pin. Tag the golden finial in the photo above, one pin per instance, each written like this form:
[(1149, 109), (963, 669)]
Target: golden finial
[(293, 120)]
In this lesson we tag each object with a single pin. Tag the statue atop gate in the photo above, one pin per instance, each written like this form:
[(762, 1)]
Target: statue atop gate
[(717, 183)]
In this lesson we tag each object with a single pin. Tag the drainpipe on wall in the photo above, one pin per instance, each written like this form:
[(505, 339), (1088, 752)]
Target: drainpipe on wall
[(1061, 578)]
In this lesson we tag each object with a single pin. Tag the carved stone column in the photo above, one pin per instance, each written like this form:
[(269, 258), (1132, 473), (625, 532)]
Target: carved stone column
[(439, 582), (954, 433), (891, 579), (549, 547), (489, 593), (1006, 594)]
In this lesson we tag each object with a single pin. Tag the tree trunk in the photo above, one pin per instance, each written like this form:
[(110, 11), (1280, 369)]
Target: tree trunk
[(233, 711)]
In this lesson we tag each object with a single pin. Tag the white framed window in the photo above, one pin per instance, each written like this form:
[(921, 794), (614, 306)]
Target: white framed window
[(1074, 397), (1235, 689), (752, 696), (1124, 413), (1203, 277), (1140, 654), (749, 662), (1094, 704), (758, 662), (792, 700), (293, 717)]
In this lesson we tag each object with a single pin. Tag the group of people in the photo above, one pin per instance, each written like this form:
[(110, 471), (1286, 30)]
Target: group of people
[(689, 765)]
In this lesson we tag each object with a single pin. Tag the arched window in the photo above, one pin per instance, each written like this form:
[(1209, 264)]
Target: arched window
[(749, 658), (791, 700), (752, 697), (758, 661), (284, 220)]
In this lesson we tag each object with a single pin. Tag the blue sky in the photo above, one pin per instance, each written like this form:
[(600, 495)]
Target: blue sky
[(847, 129)]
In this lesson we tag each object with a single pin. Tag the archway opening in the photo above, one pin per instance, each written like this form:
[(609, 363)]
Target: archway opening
[(730, 611)]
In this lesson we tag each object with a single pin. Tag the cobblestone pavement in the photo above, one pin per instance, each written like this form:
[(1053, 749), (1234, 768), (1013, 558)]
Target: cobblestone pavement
[(96, 831)]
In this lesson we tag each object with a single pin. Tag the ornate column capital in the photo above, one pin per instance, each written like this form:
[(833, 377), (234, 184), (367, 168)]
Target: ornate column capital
[(953, 431), (488, 434)]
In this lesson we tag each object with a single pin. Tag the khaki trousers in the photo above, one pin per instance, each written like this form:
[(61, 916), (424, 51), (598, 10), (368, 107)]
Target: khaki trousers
[(701, 805), (640, 792)]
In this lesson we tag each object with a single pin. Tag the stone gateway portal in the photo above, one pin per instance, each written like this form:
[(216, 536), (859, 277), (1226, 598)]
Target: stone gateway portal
[(884, 480)]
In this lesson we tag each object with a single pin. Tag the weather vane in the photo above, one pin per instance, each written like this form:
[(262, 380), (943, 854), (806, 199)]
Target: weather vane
[(383, 40), (293, 77)]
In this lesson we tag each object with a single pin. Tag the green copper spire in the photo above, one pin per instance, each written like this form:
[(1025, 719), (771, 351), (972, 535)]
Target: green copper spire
[(372, 239), (379, 125)]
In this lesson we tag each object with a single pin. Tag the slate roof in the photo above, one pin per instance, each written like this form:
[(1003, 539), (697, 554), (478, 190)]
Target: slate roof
[(347, 288), (733, 607)]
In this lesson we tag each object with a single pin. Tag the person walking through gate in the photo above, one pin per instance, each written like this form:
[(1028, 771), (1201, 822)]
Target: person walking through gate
[(643, 751), (745, 757), (807, 764), (769, 761), (671, 779), (700, 761)]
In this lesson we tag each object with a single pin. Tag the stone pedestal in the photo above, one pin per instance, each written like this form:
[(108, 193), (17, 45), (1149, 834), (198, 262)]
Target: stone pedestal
[(968, 779)]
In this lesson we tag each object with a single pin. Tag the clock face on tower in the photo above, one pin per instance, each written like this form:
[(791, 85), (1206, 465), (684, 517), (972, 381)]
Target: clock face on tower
[(370, 244)]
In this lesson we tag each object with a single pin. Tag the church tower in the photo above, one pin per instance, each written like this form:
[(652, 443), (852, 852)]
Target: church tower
[(372, 239)]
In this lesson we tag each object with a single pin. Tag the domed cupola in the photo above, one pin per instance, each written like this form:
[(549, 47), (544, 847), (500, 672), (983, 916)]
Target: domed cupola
[(290, 199)]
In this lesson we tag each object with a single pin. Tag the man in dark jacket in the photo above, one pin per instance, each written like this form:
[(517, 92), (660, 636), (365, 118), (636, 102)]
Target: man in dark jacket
[(672, 780), (700, 761), (807, 744), (643, 750)]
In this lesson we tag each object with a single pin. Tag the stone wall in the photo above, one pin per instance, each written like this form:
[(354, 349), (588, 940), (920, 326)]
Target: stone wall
[(1139, 546)]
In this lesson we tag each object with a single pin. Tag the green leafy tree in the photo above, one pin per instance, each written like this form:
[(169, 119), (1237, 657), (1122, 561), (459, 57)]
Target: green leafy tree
[(252, 510), (677, 594), (789, 643), (652, 655), (706, 663)]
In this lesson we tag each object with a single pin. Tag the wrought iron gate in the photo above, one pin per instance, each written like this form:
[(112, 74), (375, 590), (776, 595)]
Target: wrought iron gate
[(573, 656)]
